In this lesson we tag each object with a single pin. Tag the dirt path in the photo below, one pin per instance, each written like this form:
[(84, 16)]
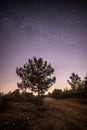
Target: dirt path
[(64, 115)]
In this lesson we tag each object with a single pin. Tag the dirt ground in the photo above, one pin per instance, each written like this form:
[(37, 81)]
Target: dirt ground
[(63, 114), (67, 114)]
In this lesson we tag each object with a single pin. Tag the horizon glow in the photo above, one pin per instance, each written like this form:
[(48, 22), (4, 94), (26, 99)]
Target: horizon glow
[(56, 33)]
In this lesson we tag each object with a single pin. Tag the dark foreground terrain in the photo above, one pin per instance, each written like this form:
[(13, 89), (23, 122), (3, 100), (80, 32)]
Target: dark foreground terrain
[(63, 114)]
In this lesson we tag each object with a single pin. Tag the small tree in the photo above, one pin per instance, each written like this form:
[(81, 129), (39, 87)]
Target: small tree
[(85, 83), (75, 81), (36, 75)]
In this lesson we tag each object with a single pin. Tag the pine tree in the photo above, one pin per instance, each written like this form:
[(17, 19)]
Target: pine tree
[(36, 75)]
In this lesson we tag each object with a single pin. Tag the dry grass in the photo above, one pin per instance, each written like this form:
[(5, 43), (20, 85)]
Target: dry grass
[(63, 114)]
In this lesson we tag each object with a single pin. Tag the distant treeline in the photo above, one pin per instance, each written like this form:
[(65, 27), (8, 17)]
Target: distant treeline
[(78, 88)]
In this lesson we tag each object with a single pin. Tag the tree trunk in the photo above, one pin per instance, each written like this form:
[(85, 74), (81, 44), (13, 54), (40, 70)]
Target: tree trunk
[(39, 99)]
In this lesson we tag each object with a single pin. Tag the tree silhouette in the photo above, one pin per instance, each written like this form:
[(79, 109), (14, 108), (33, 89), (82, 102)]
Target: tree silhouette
[(56, 93), (36, 75), (75, 81), (85, 83)]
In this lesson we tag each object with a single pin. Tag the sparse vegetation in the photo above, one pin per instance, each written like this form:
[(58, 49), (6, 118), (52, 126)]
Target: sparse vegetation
[(63, 114), (19, 110), (78, 89)]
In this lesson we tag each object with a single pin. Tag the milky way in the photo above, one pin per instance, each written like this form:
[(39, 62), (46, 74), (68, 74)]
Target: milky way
[(53, 30)]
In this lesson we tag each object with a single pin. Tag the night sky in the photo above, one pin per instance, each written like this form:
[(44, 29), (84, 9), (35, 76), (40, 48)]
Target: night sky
[(53, 30)]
